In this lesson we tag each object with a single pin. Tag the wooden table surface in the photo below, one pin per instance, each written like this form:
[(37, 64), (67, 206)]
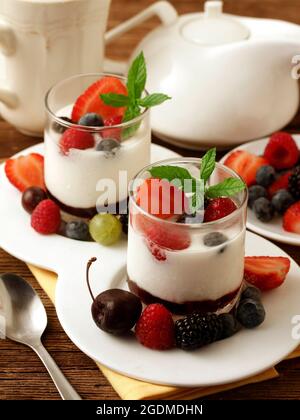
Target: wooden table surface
[(22, 375)]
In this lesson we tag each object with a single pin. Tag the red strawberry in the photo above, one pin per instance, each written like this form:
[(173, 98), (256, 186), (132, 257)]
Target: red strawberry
[(45, 218), (266, 273), (164, 236), (280, 183), (157, 252), (75, 139), (114, 133), (245, 164), (90, 100), (291, 218), (218, 208), (26, 171), (161, 198), (282, 151), (155, 328)]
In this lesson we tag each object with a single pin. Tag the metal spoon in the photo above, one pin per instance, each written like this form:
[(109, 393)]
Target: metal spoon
[(24, 320)]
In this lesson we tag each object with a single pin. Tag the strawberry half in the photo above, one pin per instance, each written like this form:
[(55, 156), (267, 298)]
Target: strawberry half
[(26, 171), (218, 208), (280, 183), (266, 273), (282, 151), (291, 218), (90, 100), (245, 164)]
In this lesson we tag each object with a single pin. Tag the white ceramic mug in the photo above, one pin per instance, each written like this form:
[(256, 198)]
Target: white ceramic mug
[(44, 41)]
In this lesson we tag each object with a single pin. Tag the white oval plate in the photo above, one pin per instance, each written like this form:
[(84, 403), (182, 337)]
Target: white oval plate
[(247, 353), (272, 230)]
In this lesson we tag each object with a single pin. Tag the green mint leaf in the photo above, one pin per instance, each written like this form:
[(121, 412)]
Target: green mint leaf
[(130, 113), (115, 100), (208, 164), (153, 100), (228, 187), (174, 173), (136, 79)]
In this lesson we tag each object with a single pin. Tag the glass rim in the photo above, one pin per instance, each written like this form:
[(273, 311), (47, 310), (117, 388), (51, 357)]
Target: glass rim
[(200, 225), (67, 124)]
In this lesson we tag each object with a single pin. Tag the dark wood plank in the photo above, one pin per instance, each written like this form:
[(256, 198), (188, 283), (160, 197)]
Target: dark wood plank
[(21, 373)]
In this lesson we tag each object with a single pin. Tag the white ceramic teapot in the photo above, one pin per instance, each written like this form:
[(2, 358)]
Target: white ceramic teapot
[(230, 77)]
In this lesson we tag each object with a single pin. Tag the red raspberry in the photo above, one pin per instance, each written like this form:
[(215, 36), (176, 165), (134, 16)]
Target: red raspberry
[(75, 139), (156, 251), (45, 218), (155, 328), (112, 133), (282, 151), (218, 208)]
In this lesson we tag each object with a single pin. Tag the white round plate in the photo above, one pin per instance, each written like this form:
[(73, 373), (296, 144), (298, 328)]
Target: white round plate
[(245, 354), (272, 230)]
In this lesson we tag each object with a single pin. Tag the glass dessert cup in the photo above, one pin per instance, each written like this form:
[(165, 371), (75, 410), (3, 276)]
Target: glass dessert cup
[(168, 262), (85, 182)]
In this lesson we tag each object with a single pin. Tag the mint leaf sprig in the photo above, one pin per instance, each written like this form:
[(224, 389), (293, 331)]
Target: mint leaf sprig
[(136, 82), (197, 188)]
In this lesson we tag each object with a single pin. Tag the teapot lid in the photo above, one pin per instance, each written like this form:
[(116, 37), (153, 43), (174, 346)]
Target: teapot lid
[(213, 27)]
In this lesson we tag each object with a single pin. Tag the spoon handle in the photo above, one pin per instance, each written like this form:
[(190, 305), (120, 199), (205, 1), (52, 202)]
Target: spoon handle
[(67, 392)]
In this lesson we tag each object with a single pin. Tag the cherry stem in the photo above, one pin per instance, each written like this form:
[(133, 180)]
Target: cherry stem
[(90, 262)]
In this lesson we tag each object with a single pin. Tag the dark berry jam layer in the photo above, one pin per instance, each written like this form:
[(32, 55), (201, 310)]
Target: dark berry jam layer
[(203, 306), (88, 213)]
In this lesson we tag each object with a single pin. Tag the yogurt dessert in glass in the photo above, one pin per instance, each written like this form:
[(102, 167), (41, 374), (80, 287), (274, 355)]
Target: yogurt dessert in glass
[(187, 262), (80, 153)]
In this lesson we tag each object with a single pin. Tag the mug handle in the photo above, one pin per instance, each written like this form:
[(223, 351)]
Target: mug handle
[(162, 9), (7, 48)]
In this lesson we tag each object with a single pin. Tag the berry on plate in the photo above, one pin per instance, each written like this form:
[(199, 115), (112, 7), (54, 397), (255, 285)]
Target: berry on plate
[(31, 197), (291, 218), (281, 201), (90, 100), (26, 171), (263, 209), (218, 208), (294, 183), (250, 313), (282, 151), (245, 164), (265, 175), (77, 229), (266, 273), (46, 218), (155, 328), (281, 183), (161, 198), (75, 139), (251, 292), (255, 192), (105, 229)]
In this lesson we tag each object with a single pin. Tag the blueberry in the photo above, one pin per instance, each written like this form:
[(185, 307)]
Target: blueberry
[(91, 119), (255, 192), (251, 292), (214, 239), (282, 200), (229, 325), (77, 229), (61, 128), (265, 175), (263, 209), (108, 145), (250, 313)]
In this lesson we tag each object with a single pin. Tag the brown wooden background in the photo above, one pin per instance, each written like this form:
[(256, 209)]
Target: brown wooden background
[(22, 375)]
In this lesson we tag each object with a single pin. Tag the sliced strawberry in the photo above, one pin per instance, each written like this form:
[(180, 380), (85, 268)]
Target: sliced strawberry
[(90, 100), (164, 236), (75, 139), (26, 171), (161, 198), (218, 208), (280, 183), (157, 252), (112, 133), (282, 151), (291, 218), (245, 164), (266, 273)]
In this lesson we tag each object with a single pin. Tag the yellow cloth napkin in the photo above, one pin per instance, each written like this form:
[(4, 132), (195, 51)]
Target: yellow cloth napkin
[(132, 389)]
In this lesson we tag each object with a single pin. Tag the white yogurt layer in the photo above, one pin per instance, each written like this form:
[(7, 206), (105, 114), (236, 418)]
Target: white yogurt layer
[(73, 178), (194, 274)]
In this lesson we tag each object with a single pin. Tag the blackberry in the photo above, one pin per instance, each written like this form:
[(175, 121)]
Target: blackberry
[(263, 209), (294, 183), (197, 330), (124, 222)]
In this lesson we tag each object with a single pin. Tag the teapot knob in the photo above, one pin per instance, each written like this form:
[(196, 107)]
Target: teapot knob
[(213, 9)]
